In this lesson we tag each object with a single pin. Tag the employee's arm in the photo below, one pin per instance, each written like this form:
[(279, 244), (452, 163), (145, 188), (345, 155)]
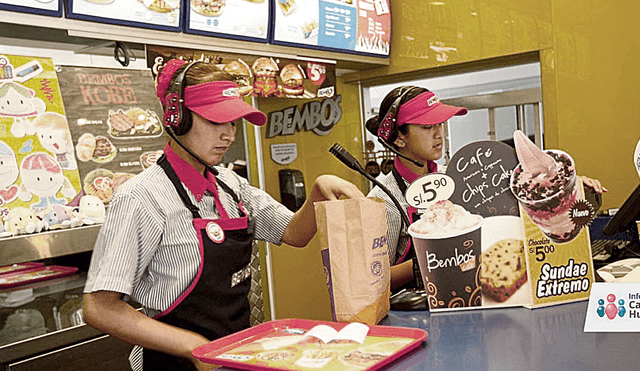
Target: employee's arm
[(303, 224), (107, 312)]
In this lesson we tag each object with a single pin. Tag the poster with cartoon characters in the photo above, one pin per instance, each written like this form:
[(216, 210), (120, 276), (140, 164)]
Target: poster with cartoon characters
[(38, 170), (115, 124)]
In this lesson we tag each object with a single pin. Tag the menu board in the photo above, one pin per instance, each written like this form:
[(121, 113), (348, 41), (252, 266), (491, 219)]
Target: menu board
[(157, 14), (362, 26), (44, 7), (115, 120), (37, 165), (237, 19)]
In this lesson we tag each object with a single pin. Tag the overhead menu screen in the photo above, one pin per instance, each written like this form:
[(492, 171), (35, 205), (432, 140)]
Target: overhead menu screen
[(44, 7), (237, 19), (356, 26)]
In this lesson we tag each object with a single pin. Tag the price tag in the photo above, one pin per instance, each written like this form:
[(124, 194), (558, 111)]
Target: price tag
[(429, 189)]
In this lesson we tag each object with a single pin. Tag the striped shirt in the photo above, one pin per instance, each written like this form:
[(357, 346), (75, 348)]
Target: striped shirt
[(397, 235), (147, 247)]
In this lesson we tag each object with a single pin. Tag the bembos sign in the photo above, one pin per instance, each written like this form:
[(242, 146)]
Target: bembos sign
[(318, 116)]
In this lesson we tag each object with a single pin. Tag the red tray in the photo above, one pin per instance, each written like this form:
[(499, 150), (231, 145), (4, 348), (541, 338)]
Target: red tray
[(247, 350), (8, 269), (36, 274)]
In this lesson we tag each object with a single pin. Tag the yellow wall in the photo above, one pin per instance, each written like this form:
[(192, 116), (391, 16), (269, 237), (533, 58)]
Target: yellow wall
[(589, 52), (299, 285)]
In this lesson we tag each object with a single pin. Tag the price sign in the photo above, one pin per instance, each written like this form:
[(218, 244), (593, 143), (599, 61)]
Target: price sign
[(429, 189)]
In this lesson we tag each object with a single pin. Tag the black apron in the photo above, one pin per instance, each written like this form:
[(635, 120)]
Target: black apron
[(216, 303)]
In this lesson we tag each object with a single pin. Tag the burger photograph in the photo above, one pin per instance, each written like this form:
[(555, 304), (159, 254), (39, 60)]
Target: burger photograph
[(292, 76), (242, 75)]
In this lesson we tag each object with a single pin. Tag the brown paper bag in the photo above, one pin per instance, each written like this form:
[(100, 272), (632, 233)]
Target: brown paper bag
[(353, 234)]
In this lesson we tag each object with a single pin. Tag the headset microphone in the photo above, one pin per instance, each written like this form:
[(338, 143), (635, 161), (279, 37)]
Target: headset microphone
[(173, 136), (390, 148), (351, 162)]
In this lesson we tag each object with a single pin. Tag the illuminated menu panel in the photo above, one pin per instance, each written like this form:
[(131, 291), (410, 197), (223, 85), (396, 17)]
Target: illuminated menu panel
[(237, 19), (44, 7), (362, 27), (156, 14)]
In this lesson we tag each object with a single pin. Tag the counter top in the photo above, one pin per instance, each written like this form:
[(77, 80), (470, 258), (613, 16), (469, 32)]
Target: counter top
[(549, 338)]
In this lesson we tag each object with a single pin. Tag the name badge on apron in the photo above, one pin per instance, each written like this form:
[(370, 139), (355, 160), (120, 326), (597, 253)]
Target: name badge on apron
[(215, 232)]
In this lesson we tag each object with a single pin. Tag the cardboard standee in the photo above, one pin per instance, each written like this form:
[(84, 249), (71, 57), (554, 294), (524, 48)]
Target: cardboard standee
[(521, 266)]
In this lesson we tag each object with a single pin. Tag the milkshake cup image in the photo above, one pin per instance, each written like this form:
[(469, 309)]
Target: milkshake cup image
[(447, 241), (544, 182)]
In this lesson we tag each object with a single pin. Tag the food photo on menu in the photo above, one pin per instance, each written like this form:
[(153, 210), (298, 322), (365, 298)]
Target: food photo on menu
[(114, 120)]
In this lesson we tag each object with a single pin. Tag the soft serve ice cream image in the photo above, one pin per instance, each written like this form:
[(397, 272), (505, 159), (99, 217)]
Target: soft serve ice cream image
[(448, 246), (545, 185)]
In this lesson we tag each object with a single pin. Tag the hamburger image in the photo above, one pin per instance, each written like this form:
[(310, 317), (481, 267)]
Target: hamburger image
[(292, 80), (241, 75), (265, 71), (210, 8)]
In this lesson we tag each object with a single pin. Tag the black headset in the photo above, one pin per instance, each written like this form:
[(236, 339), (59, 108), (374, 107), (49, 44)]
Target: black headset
[(388, 131), (176, 115), (178, 119)]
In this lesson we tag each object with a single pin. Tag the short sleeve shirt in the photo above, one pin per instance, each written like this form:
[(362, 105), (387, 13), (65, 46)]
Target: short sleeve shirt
[(148, 248)]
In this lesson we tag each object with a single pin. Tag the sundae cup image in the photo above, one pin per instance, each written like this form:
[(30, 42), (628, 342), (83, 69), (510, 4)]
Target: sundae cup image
[(545, 185), (447, 241)]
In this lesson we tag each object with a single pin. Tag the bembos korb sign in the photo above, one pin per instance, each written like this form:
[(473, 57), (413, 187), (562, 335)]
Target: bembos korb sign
[(318, 116)]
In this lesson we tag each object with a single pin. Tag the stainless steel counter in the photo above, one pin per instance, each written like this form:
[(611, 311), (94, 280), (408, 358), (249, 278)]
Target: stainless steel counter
[(550, 338)]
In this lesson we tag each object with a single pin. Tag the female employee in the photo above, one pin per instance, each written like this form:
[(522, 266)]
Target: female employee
[(412, 128), (177, 237)]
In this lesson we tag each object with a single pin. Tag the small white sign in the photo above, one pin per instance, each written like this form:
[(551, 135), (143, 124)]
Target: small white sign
[(284, 154), (636, 158), (428, 189), (613, 307)]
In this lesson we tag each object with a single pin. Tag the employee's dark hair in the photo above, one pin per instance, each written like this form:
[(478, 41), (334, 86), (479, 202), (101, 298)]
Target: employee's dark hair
[(406, 93), (198, 73)]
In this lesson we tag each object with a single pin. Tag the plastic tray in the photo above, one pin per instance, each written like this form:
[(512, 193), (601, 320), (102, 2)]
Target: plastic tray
[(221, 351), (36, 274), (13, 268)]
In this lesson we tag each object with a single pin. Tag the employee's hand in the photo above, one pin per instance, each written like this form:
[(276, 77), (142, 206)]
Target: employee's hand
[(593, 183), (331, 187)]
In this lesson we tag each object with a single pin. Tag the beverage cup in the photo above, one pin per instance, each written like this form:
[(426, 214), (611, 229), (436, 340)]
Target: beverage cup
[(450, 267), (553, 213)]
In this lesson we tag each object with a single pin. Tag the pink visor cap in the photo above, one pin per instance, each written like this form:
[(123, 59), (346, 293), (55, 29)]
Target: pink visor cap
[(220, 101), (426, 109)]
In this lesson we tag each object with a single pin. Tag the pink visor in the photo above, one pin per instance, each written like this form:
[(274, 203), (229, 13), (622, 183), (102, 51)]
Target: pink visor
[(220, 101), (426, 109)]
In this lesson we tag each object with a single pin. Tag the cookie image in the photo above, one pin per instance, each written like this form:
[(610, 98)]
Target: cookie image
[(504, 269)]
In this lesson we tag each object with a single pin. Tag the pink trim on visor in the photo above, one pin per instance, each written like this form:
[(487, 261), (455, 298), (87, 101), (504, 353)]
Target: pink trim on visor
[(426, 109), (220, 101)]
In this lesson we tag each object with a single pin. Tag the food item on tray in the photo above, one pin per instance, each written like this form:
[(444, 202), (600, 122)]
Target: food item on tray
[(210, 8), (95, 148), (149, 158), (292, 80), (134, 122), (99, 183), (544, 182), (444, 218), (287, 6), (504, 269), (242, 75)]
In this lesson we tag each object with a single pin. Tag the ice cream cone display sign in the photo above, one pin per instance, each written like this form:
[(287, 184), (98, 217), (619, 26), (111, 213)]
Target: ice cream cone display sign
[(114, 120), (260, 76), (38, 169)]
